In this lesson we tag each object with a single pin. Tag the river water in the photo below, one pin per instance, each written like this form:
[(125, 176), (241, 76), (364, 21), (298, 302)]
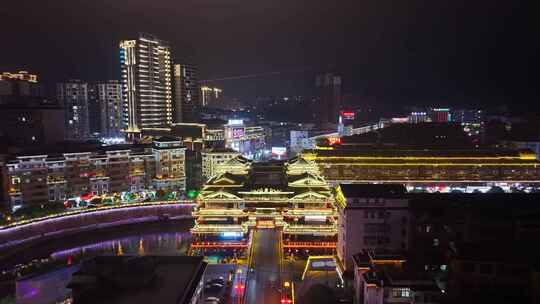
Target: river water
[(66, 253)]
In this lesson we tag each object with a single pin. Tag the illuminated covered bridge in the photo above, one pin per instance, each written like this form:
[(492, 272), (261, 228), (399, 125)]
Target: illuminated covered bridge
[(291, 196), (426, 165)]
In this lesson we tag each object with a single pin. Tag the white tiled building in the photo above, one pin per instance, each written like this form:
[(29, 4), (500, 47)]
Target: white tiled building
[(371, 216)]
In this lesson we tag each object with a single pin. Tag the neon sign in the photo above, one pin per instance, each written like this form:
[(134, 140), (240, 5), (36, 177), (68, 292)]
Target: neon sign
[(347, 115)]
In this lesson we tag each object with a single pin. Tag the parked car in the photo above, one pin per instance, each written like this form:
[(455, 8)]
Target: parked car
[(212, 300), (219, 280)]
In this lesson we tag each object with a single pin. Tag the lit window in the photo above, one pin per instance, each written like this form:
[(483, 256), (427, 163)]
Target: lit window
[(401, 292)]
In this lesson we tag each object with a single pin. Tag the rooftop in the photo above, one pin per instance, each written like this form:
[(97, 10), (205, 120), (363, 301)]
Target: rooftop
[(372, 190), (422, 134), (378, 153), (134, 279), (265, 178), (58, 150), (382, 256), (222, 150), (167, 139), (400, 275), (267, 175)]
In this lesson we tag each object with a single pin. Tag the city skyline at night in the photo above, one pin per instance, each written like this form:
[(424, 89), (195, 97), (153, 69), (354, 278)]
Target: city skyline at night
[(447, 52), (269, 151)]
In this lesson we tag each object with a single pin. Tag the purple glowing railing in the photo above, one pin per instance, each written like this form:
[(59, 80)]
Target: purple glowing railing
[(89, 220)]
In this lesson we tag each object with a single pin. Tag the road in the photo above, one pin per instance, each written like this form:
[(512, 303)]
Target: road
[(264, 282), (231, 294)]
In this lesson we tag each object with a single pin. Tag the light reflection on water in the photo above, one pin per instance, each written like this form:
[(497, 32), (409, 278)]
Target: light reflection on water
[(50, 287), (170, 243)]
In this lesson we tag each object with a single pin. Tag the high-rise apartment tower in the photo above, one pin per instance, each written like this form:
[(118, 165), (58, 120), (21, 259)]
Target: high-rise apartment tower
[(187, 103), (146, 65)]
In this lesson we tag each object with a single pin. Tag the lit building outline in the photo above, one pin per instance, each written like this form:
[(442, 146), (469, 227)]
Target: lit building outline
[(147, 83), (232, 202)]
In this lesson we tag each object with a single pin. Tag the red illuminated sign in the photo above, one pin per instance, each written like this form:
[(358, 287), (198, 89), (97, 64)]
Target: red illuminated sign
[(347, 115), (334, 140)]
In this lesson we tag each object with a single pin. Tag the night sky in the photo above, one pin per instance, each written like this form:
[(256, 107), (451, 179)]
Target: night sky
[(401, 51)]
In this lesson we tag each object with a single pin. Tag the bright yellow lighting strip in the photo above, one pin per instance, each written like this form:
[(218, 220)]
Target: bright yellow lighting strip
[(525, 157), (436, 164), (375, 261), (301, 212), (341, 201), (204, 212), (311, 246), (202, 228), (280, 244), (407, 181), (217, 245), (312, 257)]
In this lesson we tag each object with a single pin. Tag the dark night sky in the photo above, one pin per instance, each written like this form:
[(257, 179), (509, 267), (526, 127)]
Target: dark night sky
[(399, 51)]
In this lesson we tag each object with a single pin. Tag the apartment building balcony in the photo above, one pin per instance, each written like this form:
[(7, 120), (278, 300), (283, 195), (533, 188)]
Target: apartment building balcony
[(56, 180), (99, 178), (137, 173)]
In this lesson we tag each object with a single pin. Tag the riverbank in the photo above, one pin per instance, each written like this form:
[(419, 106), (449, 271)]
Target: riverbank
[(46, 246), (70, 224), (46, 260)]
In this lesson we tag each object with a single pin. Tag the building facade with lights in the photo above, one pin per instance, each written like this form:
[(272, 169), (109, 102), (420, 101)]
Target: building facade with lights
[(291, 196), (417, 167), (186, 93), (147, 90), (210, 96), (440, 115), (249, 141), (105, 108), (213, 158), (417, 117), (18, 84), (398, 243), (37, 179), (329, 90), (73, 96), (21, 75), (371, 217)]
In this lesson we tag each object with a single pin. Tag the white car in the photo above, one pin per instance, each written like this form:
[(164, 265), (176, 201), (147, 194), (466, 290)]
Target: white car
[(212, 300)]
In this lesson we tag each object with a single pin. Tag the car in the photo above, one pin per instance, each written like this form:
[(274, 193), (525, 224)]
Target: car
[(219, 280), (212, 300), (214, 286)]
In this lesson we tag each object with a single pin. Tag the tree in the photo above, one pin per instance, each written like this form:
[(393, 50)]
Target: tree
[(160, 194)]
